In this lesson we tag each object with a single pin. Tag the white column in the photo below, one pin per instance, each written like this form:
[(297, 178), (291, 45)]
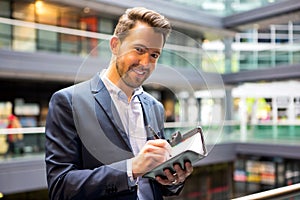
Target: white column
[(274, 117), (254, 113), (291, 41), (274, 111), (183, 106), (192, 109), (291, 110), (243, 117)]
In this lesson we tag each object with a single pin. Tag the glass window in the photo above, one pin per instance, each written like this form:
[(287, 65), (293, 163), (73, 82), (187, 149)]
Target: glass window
[(106, 26), (88, 45), (46, 13), (5, 36), (5, 8), (69, 44), (89, 24), (69, 17), (166, 57), (23, 11), (104, 49), (24, 38), (47, 40), (213, 61)]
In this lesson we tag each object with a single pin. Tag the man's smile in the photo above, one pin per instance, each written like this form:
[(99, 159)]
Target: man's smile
[(139, 71)]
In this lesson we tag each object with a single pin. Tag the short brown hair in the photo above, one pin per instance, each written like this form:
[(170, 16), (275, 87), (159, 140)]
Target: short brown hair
[(128, 20)]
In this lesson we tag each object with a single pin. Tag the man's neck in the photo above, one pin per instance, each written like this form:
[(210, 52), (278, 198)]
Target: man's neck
[(114, 77)]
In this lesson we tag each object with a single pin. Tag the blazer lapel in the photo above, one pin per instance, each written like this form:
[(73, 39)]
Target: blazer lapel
[(149, 116), (103, 98)]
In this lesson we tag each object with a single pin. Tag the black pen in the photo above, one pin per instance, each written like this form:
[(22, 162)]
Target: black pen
[(156, 136)]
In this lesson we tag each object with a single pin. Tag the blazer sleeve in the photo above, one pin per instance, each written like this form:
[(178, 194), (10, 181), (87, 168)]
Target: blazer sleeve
[(66, 176)]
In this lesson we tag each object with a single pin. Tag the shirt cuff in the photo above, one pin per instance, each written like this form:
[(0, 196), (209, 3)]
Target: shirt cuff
[(131, 181)]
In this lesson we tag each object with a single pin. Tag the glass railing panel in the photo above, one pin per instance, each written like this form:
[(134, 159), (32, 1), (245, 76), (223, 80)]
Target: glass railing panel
[(249, 60), (34, 137), (103, 49), (27, 141), (289, 134), (296, 57)]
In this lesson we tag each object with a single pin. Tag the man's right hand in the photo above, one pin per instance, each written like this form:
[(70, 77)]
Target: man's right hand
[(151, 155)]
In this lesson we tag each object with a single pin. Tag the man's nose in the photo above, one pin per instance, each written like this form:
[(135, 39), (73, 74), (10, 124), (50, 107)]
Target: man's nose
[(145, 59)]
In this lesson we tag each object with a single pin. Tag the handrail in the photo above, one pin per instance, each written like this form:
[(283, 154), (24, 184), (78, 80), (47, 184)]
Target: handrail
[(278, 192), (29, 130), (189, 124), (231, 123)]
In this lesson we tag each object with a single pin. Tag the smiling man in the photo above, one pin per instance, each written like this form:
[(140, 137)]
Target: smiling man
[(97, 142), (134, 57)]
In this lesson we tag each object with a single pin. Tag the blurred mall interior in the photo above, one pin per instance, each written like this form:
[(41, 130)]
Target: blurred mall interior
[(230, 66)]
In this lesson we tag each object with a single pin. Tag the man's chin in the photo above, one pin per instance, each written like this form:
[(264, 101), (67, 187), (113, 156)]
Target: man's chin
[(133, 85)]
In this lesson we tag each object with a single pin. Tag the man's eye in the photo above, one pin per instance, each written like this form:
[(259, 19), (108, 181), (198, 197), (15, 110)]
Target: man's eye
[(140, 50), (155, 55)]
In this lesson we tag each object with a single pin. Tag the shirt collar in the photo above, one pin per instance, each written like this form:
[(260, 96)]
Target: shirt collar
[(115, 90)]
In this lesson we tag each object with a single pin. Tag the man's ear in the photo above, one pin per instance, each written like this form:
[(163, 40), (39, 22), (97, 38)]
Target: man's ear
[(114, 45)]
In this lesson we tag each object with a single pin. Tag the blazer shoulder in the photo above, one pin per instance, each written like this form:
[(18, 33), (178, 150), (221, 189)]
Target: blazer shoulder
[(69, 91), (148, 97)]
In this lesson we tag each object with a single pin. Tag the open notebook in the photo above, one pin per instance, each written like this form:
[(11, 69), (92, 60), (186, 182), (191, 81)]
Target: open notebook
[(189, 146)]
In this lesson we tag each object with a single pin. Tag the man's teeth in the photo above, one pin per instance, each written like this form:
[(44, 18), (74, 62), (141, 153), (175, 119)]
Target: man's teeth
[(139, 72)]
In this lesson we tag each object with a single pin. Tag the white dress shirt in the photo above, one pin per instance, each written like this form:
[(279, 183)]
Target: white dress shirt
[(131, 115)]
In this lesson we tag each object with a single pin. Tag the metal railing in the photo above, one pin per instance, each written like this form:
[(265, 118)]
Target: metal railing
[(227, 131), (278, 193)]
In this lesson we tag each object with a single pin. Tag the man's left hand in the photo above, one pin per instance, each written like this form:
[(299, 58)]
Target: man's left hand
[(176, 177)]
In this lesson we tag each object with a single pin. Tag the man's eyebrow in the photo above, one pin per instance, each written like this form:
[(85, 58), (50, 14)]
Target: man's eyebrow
[(158, 52), (147, 48), (141, 45)]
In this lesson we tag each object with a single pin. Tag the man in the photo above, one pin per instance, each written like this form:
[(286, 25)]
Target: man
[(98, 144)]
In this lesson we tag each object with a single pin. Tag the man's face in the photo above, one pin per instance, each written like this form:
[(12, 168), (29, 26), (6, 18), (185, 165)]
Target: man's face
[(137, 55)]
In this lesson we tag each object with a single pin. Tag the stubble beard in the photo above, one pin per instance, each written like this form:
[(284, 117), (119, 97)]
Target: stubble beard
[(127, 80)]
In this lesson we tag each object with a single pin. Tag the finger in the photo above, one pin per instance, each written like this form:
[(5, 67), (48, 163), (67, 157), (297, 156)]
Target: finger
[(159, 143), (181, 174), (153, 147), (189, 168), (162, 144), (163, 181), (169, 175)]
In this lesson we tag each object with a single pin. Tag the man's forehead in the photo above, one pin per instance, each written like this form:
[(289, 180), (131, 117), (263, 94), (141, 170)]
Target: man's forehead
[(148, 45), (146, 36)]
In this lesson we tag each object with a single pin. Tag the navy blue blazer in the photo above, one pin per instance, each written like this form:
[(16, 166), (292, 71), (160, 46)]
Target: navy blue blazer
[(86, 146)]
